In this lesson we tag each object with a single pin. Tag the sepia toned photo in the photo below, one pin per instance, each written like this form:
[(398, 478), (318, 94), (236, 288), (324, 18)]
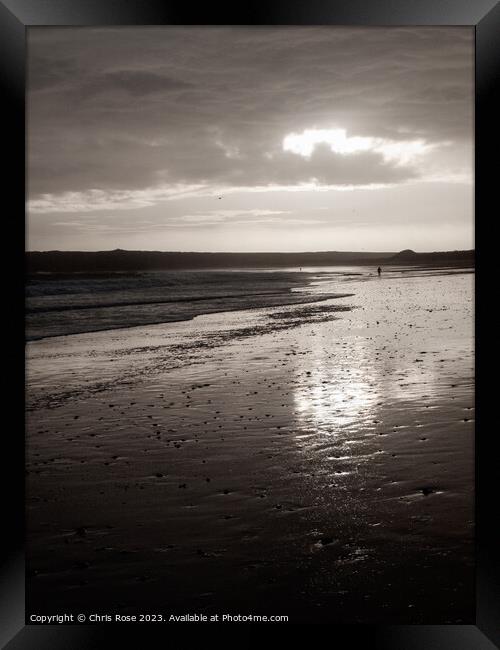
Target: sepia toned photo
[(250, 324)]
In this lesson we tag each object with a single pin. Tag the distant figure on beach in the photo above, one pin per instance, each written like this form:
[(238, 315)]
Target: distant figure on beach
[(379, 271)]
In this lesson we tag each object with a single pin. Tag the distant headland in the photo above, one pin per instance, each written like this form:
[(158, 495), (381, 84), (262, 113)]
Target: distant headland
[(127, 261)]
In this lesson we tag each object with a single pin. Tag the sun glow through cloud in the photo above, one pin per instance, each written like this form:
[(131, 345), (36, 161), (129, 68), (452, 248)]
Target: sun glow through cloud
[(401, 152)]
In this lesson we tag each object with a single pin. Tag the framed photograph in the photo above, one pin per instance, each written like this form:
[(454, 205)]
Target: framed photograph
[(243, 328)]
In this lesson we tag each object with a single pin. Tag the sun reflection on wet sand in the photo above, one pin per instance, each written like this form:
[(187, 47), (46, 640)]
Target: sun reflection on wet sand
[(365, 382), (329, 402)]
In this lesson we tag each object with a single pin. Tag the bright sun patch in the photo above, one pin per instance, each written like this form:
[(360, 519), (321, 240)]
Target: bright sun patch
[(401, 152)]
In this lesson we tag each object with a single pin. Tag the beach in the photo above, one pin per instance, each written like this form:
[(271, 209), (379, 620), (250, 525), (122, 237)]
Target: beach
[(310, 457)]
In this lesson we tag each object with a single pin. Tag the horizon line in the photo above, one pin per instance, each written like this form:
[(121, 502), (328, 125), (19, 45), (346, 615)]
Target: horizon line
[(183, 252)]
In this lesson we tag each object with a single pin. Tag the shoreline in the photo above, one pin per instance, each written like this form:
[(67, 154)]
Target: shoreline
[(284, 298), (311, 300)]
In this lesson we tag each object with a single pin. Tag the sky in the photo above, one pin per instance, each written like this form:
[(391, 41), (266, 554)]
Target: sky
[(250, 138)]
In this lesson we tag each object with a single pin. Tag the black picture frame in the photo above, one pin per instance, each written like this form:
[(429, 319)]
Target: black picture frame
[(15, 17)]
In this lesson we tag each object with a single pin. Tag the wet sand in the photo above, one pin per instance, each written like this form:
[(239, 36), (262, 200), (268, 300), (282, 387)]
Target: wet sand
[(310, 460)]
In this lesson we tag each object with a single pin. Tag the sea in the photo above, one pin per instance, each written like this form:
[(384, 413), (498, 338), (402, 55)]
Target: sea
[(59, 305)]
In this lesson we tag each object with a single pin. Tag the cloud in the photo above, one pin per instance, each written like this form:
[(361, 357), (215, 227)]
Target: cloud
[(217, 216), (142, 114), (140, 83), (91, 200), (223, 219), (46, 72)]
